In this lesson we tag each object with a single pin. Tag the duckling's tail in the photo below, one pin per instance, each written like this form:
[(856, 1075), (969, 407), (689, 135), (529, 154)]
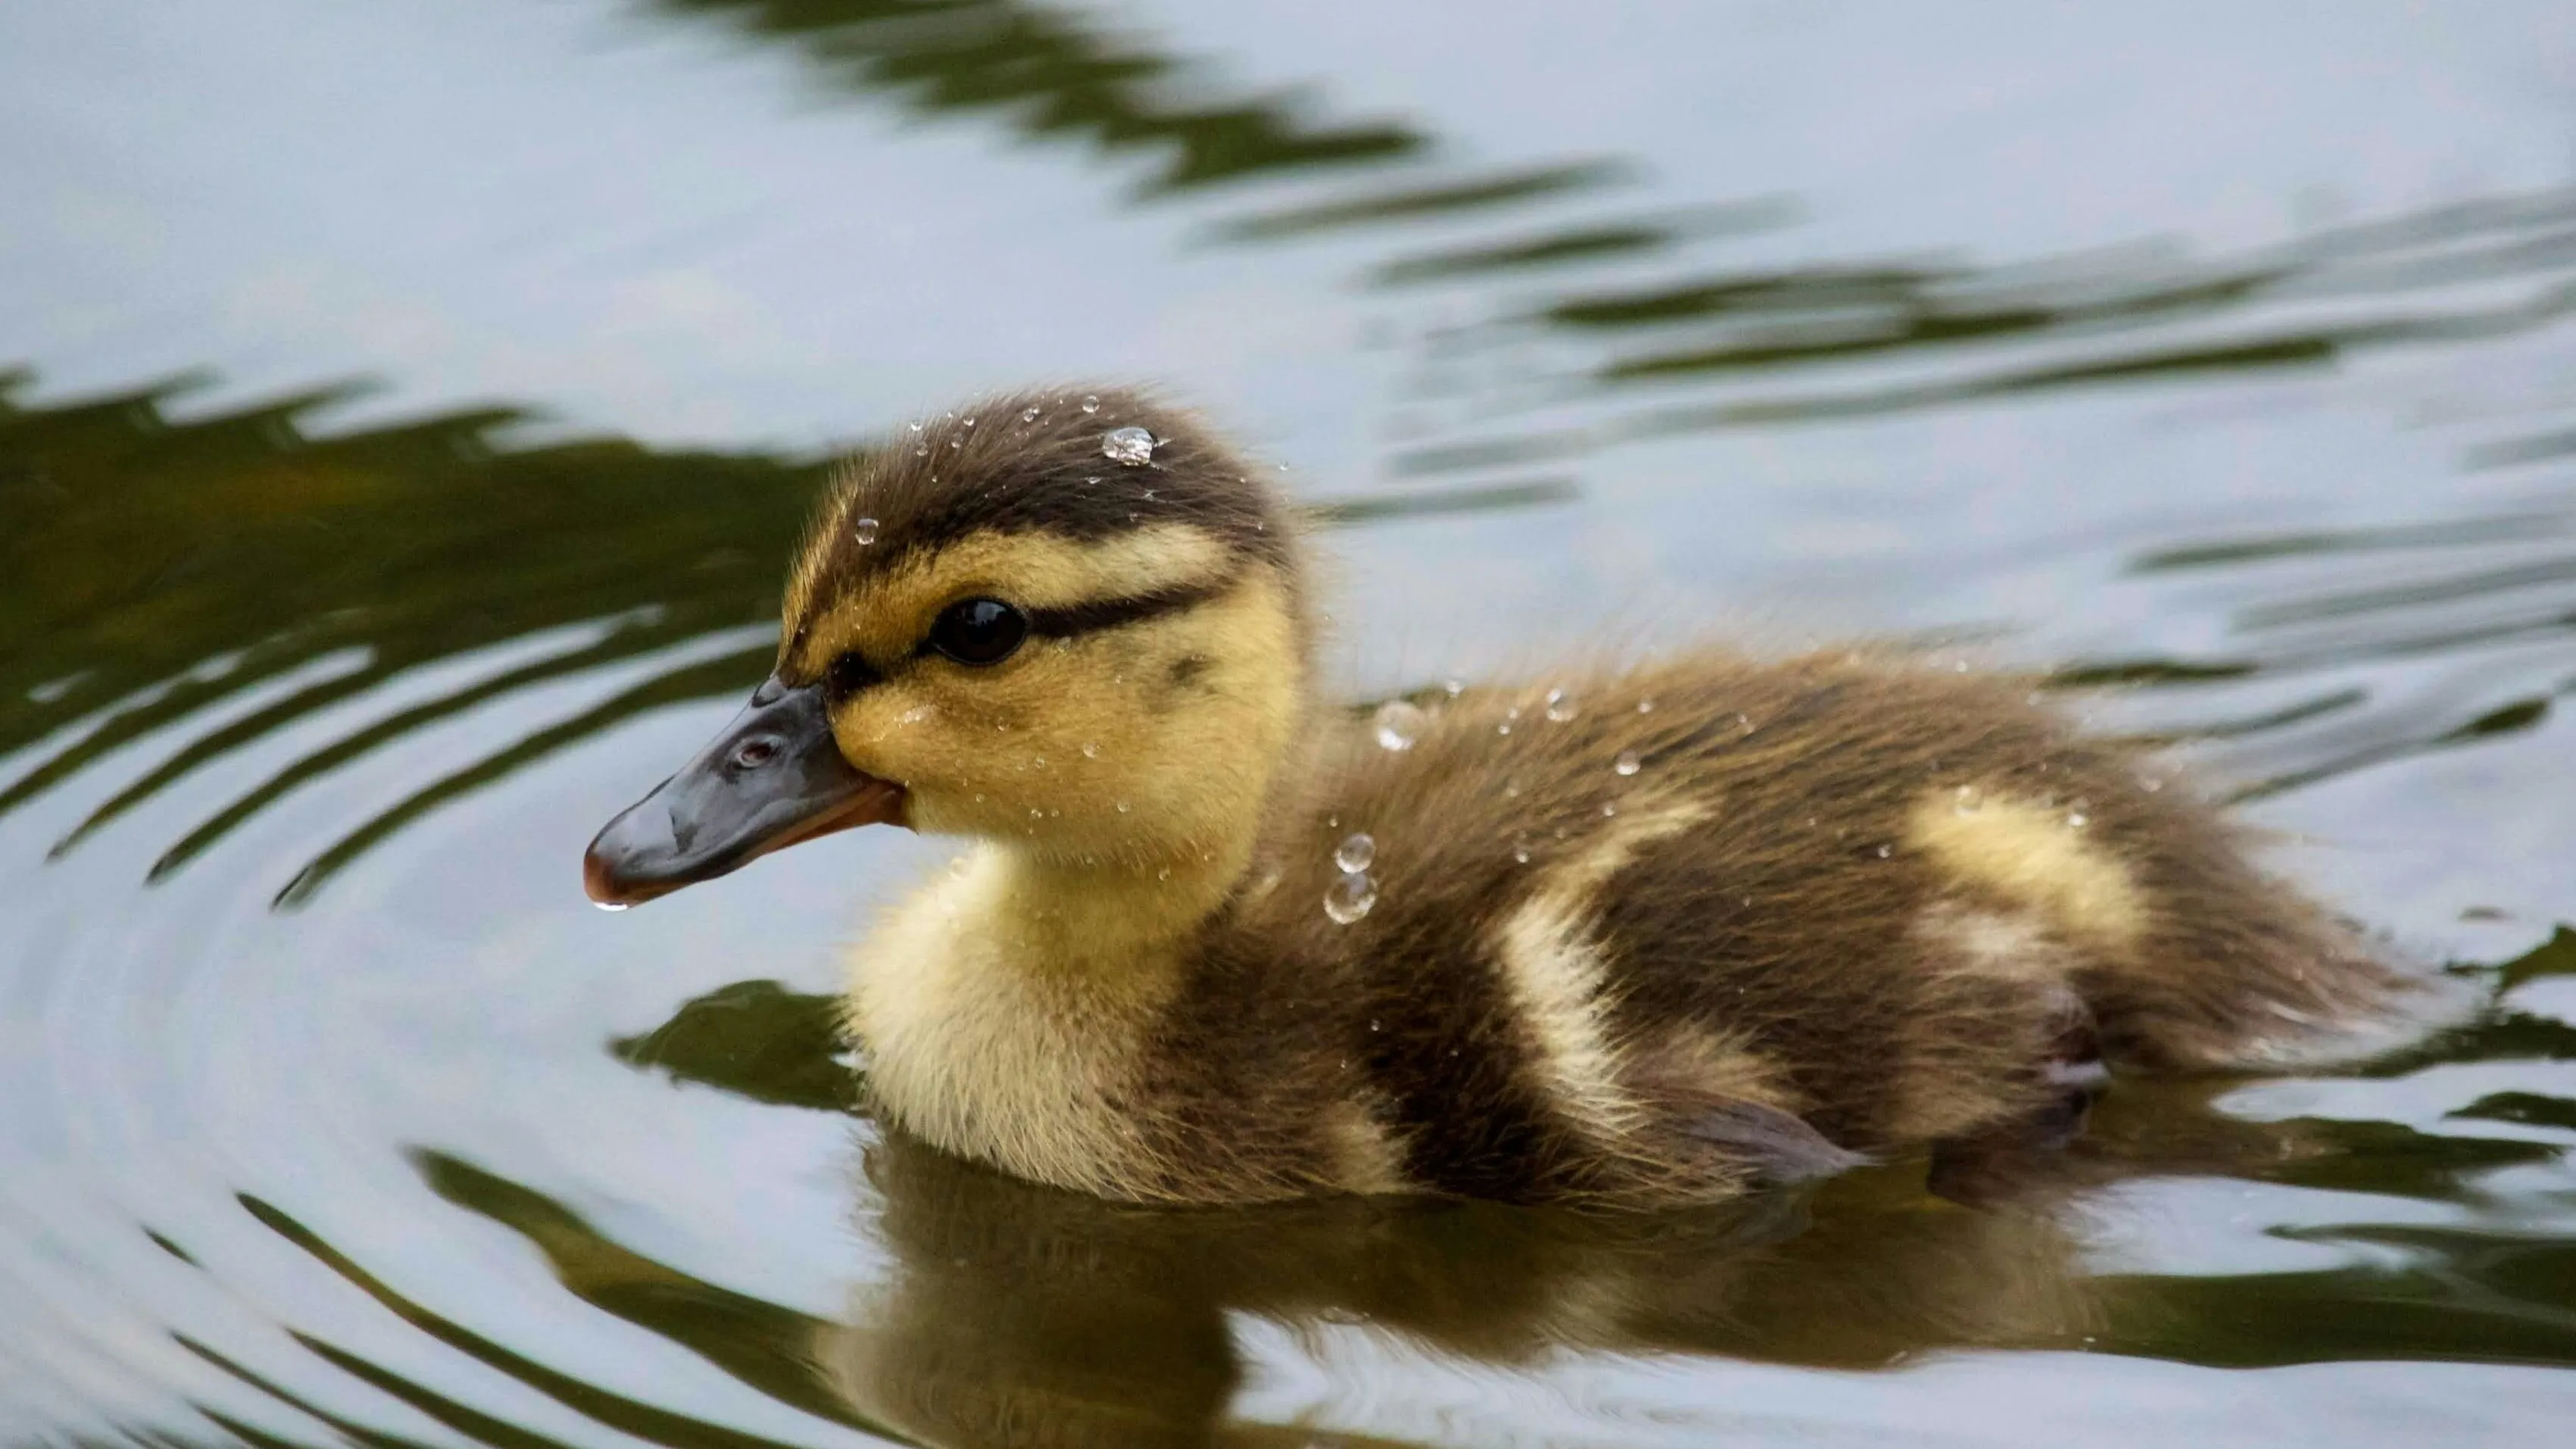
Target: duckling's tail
[(2235, 970)]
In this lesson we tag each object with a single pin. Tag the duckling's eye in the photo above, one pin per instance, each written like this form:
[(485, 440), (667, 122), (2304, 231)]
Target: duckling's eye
[(978, 631)]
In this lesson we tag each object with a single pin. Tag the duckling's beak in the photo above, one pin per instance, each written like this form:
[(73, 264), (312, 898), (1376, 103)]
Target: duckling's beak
[(773, 778)]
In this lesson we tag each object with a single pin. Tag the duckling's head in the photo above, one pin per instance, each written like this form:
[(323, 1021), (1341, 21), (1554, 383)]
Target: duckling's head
[(1071, 622)]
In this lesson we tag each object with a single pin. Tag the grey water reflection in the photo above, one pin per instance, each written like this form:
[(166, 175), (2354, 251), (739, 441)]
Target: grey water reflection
[(333, 1117)]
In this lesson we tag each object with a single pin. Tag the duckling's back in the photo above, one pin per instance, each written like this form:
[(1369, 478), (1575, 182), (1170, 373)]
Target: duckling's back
[(1662, 935)]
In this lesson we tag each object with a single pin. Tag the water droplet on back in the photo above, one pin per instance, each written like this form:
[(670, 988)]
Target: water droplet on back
[(1130, 445), (1398, 725), (1628, 763), (1090, 402), (1646, 706), (1028, 415), (1350, 898), (1091, 749), (1356, 852), (610, 905), (1560, 706), (865, 530)]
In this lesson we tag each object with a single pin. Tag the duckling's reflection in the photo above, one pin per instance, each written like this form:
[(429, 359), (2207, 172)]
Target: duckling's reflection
[(1022, 1315)]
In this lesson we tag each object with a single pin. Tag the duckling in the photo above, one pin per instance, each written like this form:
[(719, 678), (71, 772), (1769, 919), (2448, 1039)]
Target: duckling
[(1644, 935)]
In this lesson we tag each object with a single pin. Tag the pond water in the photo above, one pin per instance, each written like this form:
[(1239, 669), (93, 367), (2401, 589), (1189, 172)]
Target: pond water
[(414, 405)]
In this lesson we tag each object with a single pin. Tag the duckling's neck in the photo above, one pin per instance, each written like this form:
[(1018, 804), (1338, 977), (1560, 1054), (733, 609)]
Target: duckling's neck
[(1004, 1008), (1127, 906)]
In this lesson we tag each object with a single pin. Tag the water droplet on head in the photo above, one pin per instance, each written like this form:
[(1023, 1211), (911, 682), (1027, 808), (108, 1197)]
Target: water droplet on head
[(2077, 819), (1646, 706), (1628, 763), (1609, 808), (1966, 800), (1398, 725), (1885, 851), (1350, 898), (1122, 806), (1453, 687), (1521, 849), (914, 715), (1560, 706), (1130, 445), (610, 905), (865, 530), (1028, 415), (1356, 852), (1091, 749), (1090, 403), (1164, 874)]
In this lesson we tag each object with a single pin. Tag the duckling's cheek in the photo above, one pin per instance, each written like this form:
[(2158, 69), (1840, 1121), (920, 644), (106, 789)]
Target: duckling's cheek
[(878, 729)]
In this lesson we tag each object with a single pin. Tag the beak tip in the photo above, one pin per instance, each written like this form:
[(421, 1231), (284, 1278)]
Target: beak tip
[(609, 874), (599, 880)]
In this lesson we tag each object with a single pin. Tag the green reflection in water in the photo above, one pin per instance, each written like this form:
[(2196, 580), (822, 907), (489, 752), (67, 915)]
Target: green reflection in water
[(756, 1039), (1054, 74), (647, 1422), (2082, 321)]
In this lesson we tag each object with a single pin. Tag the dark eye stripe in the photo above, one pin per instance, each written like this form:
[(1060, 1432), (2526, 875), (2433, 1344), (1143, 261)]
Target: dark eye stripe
[(855, 673), (1098, 614)]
